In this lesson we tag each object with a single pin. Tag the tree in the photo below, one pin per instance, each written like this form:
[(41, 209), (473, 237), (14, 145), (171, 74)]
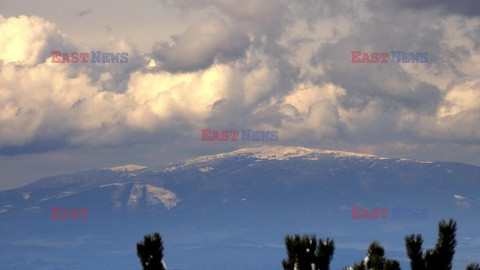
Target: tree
[(376, 260), (305, 253), (325, 254), (391, 265), (438, 258), (150, 252), (445, 247), (413, 245), (473, 266)]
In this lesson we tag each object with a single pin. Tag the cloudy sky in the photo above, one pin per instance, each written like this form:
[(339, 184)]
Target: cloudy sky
[(231, 65)]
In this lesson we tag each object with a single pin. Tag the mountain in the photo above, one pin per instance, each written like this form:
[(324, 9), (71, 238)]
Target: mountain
[(232, 210)]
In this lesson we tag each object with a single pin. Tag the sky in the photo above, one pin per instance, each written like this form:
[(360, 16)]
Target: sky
[(264, 65)]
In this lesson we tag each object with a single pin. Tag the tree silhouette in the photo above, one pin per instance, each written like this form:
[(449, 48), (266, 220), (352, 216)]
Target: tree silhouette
[(391, 265), (439, 258), (413, 245), (325, 254), (150, 252), (305, 253), (376, 260), (473, 266)]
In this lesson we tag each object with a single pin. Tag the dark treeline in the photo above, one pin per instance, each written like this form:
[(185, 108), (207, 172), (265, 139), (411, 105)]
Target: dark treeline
[(307, 253), (304, 253)]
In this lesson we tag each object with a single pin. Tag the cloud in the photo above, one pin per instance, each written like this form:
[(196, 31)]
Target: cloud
[(462, 98), (82, 105), (313, 109), (202, 44), (266, 65), (260, 12), (466, 7), (410, 100), (49, 243), (84, 12), (26, 40), (163, 96)]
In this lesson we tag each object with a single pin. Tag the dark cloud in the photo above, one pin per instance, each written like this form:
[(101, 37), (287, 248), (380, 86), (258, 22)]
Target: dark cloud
[(387, 83), (463, 7), (84, 12), (37, 146), (261, 13), (474, 36), (201, 45)]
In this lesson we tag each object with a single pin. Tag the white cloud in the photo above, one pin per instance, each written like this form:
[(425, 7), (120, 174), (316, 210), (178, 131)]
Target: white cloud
[(462, 98), (25, 40), (162, 96), (314, 109)]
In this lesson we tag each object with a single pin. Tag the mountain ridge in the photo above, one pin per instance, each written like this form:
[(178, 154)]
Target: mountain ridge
[(139, 176), (244, 201)]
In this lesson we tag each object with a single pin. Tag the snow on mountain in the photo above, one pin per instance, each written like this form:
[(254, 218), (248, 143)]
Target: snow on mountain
[(464, 202), (149, 183), (26, 195), (206, 169), (158, 194), (154, 196), (127, 168), (280, 153), (113, 184), (135, 195), (58, 196)]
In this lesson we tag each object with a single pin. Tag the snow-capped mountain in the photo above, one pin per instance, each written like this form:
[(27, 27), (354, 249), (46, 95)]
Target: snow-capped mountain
[(232, 210)]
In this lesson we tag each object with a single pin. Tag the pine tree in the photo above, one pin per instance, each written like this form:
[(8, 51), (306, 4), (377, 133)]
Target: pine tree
[(413, 245), (438, 258), (305, 253), (376, 260), (289, 263), (473, 266), (359, 266), (445, 248), (150, 252), (375, 255), (310, 248), (324, 254), (296, 252), (391, 265)]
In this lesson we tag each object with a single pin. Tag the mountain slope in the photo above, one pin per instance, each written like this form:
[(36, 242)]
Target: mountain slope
[(242, 203)]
